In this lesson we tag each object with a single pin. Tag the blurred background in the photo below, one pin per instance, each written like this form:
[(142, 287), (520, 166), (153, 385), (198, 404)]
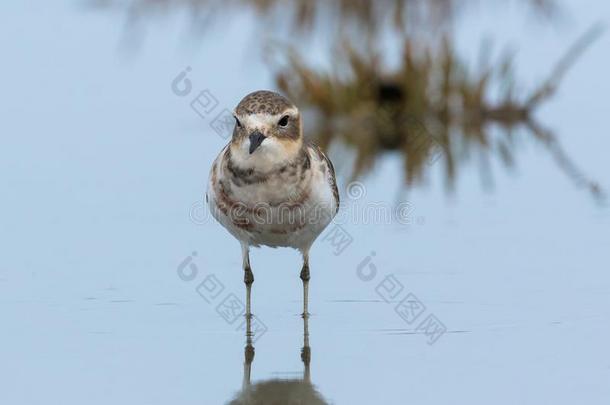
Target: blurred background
[(469, 261)]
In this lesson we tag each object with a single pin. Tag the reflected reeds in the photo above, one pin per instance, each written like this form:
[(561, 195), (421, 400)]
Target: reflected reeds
[(434, 108), (367, 17)]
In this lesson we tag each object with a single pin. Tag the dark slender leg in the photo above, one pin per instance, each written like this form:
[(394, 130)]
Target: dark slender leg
[(248, 278), (305, 277)]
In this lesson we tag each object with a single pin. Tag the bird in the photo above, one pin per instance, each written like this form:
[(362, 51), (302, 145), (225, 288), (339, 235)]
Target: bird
[(271, 187)]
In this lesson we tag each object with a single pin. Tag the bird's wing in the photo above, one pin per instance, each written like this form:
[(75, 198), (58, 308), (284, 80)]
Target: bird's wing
[(331, 177)]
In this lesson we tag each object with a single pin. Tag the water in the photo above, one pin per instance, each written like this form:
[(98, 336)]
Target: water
[(103, 169)]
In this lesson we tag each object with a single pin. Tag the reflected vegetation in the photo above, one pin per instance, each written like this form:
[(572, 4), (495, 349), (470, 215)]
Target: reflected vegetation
[(431, 109), (367, 17), (434, 108), (278, 391)]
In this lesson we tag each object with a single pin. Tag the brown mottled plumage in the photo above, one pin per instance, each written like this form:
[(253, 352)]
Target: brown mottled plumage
[(270, 187), (263, 102)]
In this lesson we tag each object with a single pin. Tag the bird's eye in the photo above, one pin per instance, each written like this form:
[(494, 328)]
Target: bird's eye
[(237, 122), (283, 121)]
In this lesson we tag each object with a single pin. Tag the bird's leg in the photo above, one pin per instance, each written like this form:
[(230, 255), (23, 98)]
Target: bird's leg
[(248, 277), (305, 277), (249, 349)]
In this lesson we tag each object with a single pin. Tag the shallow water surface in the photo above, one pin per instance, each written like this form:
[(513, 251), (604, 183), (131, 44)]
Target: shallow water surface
[(116, 287)]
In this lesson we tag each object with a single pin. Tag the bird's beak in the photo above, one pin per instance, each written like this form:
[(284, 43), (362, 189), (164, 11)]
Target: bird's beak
[(256, 138)]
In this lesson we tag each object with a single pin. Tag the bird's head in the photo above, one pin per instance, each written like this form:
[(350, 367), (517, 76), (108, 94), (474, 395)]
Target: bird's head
[(267, 127)]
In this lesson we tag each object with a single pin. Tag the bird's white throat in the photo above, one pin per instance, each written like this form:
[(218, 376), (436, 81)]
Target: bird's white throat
[(271, 153)]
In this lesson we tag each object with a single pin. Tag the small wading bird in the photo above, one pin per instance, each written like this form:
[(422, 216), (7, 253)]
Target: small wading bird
[(269, 186)]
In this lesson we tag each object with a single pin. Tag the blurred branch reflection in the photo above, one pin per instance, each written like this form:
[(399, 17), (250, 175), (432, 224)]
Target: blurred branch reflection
[(432, 108), (304, 16)]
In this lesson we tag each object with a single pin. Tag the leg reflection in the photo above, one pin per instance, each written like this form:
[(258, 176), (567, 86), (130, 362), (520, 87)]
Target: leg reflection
[(278, 390), (306, 350), (248, 354)]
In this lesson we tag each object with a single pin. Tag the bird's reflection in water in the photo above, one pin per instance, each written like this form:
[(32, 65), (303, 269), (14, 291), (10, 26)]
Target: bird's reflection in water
[(278, 391)]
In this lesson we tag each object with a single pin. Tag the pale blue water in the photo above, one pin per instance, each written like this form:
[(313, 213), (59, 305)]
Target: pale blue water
[(100, 164)]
